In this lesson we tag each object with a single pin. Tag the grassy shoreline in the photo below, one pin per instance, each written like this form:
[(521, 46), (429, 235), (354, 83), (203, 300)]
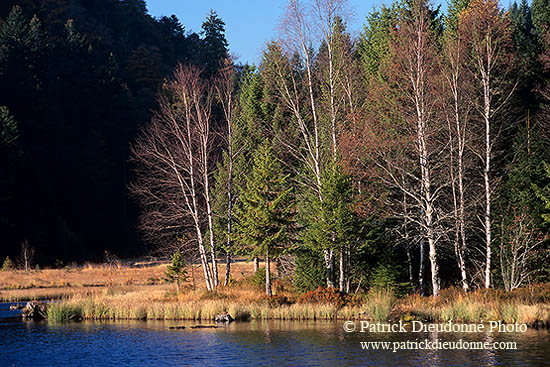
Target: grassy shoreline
[(121, 293), (376, 306)]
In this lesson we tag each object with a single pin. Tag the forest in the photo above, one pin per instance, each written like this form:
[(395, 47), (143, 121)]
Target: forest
[(413, 155)]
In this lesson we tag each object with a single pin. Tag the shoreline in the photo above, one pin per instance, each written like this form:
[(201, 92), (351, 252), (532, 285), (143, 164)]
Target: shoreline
[(379, 306), (100, 292)]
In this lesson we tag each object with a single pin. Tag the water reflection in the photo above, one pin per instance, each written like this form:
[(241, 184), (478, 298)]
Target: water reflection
[(280, 343)]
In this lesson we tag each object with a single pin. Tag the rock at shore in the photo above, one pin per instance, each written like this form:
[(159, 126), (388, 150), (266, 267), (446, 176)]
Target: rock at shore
[(34, 310), (224, 317)]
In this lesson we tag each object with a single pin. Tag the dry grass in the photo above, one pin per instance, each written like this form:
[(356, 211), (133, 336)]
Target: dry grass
[(17, 285), (163, 304), (530, 305), (159, 305)]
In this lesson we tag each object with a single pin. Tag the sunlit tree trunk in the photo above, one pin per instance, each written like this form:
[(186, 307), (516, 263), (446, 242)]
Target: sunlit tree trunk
[(268, 275), (457, 117), (225, 91), (489, 35)]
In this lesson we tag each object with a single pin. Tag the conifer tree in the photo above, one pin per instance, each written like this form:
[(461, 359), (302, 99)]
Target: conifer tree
[(176, 272), (21, 46), (454, 8), (264, 215), (331, 221), (213, 44), (544, 193), (373, 43), (527, 48)]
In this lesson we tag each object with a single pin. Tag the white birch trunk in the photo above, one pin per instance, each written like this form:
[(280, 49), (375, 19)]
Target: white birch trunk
[(329, 267), (342, 271), (422, 141), (195, 210), (229, 207), (421, 269), (457, 183), (410, 266), (486, 115)]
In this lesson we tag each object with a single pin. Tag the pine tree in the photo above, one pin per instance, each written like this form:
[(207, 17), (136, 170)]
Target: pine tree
[(373, 43), (7, 264), (543, 193), (9, 134), (213, 43), (176, 272), (264, 216), (528, 47), (21, 47), (329, 223)]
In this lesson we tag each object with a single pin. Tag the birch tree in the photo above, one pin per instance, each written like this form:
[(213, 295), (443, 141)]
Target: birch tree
[(225, 92), (488, 35), (173, 167), (318, 93), (406, 133), (520, 253), (457, 108)]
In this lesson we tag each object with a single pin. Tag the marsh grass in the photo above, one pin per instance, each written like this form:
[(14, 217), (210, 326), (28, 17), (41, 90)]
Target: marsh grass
[(379, 304), (58, 312), (528, 305)]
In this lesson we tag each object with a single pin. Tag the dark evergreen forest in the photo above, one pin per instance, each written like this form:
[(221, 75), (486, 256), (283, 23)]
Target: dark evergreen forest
[(77, 79)]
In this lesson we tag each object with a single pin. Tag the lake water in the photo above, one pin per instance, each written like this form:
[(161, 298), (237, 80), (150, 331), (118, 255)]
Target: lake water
[(274, 343)]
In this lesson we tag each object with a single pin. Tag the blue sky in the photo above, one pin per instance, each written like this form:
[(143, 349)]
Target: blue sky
[(249, 23)]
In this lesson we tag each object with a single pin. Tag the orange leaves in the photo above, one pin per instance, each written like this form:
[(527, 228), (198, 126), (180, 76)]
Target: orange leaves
[(483, 21)]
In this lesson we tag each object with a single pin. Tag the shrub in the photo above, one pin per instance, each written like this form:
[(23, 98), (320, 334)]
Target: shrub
[(212, 296), (384, 277), (8, 264), (276, 300), (328, 296)]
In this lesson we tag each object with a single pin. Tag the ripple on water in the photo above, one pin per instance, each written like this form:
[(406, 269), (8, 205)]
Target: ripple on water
[(242, 344)]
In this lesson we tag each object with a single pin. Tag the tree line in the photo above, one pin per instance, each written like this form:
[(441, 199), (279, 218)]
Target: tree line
[(417, 146)]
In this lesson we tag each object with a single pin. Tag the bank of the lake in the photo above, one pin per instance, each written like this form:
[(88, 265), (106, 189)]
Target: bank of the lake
[(528, 306), (138, 291)]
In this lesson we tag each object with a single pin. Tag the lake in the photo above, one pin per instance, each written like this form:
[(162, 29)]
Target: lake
[(273, 343)]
